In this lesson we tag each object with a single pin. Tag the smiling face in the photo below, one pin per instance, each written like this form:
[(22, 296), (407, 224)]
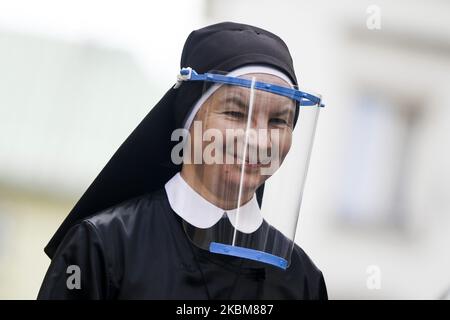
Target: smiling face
[(256, 130)]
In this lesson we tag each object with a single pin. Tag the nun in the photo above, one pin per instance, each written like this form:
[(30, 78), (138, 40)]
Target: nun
[(202, 200)]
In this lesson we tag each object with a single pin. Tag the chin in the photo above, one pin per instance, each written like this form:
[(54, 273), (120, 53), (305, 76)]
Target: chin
[(251, 180)]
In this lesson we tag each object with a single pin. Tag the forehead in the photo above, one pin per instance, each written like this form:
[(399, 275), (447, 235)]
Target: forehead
[(226, 91), (264, 77)]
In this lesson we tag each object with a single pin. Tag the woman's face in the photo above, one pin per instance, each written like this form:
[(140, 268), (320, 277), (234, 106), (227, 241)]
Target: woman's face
[(261, 121)]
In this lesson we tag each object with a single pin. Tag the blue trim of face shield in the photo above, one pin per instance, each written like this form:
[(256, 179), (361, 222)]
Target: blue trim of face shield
[(248, 254), (305, 99)]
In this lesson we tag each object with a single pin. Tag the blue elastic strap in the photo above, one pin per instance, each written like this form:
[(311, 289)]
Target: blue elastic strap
[(248, 254), (305, 99)]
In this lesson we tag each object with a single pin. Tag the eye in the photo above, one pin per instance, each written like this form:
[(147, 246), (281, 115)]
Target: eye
[(278, 121), (235, 114)]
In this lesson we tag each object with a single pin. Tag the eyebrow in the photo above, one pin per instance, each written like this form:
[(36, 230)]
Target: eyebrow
[(237, 101), (286, 109)]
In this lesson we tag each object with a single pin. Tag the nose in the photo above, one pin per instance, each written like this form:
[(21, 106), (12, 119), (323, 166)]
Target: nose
[(259, 139)]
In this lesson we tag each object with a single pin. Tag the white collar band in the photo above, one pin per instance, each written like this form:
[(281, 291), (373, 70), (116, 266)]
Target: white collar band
[(199, 212)]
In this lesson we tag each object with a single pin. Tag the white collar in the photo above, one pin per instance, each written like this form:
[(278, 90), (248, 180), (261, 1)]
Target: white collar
[(199, 212)]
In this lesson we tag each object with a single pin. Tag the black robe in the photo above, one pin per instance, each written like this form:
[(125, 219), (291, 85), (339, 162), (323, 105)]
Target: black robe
[(139, 250)]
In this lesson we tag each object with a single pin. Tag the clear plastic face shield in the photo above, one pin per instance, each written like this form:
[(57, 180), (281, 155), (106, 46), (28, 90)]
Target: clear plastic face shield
[(242, 137)]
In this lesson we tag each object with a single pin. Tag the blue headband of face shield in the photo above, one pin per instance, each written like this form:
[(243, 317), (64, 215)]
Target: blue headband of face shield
[(303, 98)]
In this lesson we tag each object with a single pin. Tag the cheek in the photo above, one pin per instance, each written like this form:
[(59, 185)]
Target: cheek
[(285, 144)]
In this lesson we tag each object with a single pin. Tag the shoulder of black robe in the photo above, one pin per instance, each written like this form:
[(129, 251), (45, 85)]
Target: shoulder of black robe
[(142, 164), (139, 250)]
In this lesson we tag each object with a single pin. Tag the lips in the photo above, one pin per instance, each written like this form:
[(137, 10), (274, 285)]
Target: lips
[(253, 165), (247, 162)]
